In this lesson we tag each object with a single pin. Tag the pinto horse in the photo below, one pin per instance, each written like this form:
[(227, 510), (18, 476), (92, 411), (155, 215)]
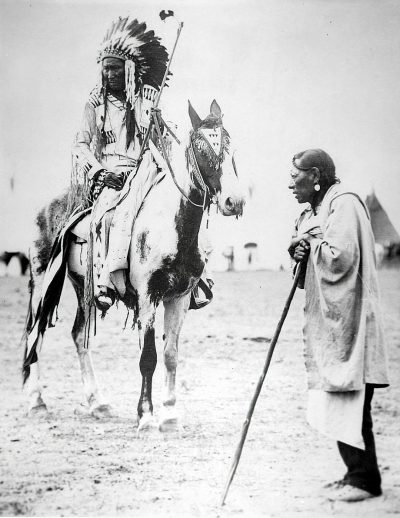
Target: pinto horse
[(165, 264)]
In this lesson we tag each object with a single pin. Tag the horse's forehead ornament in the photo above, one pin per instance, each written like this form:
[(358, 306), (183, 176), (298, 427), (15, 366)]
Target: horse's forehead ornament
[(214, 137)]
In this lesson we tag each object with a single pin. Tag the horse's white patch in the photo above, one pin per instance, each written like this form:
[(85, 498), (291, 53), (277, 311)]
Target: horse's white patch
[(156, 222)]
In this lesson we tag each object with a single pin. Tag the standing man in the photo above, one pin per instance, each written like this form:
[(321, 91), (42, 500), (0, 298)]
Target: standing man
[(343, 335), (116, 118)]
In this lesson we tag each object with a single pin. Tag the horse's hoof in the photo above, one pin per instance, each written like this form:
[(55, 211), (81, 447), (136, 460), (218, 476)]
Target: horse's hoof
[(39, 410), (82, 409), (169, 422), (101, 411), (146, 424), (169, 425)]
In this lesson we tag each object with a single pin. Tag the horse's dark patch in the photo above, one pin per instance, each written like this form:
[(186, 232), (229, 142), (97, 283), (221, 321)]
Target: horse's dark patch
[(142, 247), (44, 243), (175, 274), (148, 358), (147, 364)]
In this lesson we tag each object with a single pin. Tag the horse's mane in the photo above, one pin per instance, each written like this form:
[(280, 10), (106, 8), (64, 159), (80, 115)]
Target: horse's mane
[(179, 160), (211, 121)]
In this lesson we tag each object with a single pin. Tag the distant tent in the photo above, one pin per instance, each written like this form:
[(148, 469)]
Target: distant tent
[(384, 231), (13, 264)]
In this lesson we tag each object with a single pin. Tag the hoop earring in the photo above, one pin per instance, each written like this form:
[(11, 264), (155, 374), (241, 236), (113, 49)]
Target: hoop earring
[(317, 187)]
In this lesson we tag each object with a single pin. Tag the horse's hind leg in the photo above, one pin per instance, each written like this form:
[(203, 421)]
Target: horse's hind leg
[(174, 316), (32, 384), (33, 388), (97, 406)]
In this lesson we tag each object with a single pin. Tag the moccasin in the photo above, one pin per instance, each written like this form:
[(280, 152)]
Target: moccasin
[(349, 493), (336, 484)]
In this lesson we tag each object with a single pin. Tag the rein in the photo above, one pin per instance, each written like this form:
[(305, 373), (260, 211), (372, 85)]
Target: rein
[(192, 158)]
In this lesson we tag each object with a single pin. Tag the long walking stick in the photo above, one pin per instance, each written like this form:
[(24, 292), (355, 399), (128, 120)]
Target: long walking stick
[(250, 411)]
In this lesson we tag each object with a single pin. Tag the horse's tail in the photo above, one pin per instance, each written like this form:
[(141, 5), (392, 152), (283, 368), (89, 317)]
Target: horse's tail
[(39, 257), (41, 318), (51, 248)]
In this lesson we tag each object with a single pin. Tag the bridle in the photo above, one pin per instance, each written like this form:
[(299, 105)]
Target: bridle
[(204, 139)]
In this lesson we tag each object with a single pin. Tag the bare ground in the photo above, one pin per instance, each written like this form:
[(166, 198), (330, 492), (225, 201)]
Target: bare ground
[(68, 464)]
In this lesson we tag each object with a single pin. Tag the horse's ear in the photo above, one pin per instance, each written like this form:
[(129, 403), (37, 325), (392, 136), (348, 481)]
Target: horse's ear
[(215, 109), (196, 121)]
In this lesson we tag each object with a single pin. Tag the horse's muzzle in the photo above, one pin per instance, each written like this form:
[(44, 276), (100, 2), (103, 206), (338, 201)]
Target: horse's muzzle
[(233, 206)]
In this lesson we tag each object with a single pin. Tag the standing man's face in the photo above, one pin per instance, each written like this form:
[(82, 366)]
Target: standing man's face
[(113, 70), (302, 184)]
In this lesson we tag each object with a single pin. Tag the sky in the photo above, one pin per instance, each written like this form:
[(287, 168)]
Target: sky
[(288, 74)]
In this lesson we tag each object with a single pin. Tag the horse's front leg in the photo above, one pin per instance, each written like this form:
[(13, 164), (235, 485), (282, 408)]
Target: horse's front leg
[(147, 364), (174, 316)]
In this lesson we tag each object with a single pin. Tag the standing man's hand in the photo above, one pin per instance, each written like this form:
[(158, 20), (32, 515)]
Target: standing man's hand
[(299, 248), (302, 251)]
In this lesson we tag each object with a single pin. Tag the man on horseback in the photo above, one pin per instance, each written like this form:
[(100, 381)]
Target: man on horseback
[(108, 146), (144, 211)]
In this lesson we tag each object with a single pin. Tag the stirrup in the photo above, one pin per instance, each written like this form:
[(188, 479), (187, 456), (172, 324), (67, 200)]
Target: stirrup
[(195, 301), (104, 300)]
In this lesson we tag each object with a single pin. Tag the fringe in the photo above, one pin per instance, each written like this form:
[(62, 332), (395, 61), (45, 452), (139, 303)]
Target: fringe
[(88, 297), (130, 83), (90, 317), (89, 292), (79, 194)]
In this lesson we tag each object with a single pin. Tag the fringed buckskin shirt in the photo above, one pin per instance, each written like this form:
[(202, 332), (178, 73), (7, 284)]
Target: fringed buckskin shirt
[(343, 333), (91, 152)]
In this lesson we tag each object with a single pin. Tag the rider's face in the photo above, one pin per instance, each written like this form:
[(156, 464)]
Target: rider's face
[(113, 70)]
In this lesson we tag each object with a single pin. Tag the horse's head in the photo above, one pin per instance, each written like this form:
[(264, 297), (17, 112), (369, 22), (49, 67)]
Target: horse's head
[(212, 163)]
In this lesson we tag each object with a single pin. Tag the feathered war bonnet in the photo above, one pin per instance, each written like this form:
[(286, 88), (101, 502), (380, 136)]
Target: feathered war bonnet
[(142, 52)]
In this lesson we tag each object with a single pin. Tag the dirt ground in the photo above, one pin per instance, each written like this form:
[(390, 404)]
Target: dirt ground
[(68, 464)]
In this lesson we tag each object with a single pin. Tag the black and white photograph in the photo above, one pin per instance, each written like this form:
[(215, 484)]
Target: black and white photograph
[(200, 258)]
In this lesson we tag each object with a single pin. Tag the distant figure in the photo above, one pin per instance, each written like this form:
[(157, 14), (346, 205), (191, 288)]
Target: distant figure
[(379, 254), (230, 256), (343, 337), (252, 255)]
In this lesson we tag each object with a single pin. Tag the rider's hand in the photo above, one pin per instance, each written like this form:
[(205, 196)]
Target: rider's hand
[(113, 180), (302, 251)]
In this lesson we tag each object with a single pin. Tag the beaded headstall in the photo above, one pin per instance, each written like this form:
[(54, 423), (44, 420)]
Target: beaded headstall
[(213, 143)]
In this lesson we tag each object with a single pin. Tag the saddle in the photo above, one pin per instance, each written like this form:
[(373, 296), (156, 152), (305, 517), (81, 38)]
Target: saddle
[(81, 229), (200, 296)]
